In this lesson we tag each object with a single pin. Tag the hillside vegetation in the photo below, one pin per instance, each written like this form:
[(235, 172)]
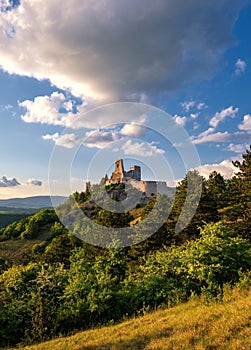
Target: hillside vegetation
[(193, 325), (53, 283)]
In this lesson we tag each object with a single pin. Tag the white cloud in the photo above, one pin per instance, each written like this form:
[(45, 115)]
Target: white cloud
[(7, 182), (113, 49), (221, 137), (34, 182), (180, 120), (106, 139), (173, 183), (48, 110), (202, 136), (65, 140), (220, 116), (52, 137), (237, 148), (135, 129), (100, 139), (194, 115), (201, 105), (6, 107), (226, 168), (216, 137), (246, 123), (188, 105), (240, 66), (196, 125), (143, 149)]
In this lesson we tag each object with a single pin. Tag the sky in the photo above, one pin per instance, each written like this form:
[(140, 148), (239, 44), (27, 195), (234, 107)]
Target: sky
[(164, 84)]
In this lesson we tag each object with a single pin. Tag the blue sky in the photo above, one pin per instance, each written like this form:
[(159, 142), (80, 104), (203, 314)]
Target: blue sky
[(59, 63)]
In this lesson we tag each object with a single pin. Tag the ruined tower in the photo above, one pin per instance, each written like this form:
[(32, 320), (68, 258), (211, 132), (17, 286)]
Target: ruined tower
[(119, 171)]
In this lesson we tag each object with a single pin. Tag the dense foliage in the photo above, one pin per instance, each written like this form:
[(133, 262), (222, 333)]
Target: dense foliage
[(64, 284)]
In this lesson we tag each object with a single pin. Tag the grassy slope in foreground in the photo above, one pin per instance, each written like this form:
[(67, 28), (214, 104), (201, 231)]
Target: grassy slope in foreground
[(193, 325)]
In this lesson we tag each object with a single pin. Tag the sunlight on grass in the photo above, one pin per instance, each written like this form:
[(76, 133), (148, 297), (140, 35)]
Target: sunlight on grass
[(193, 325)]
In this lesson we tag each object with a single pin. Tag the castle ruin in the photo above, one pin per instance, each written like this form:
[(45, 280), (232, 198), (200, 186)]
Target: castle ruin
[(133, 177)]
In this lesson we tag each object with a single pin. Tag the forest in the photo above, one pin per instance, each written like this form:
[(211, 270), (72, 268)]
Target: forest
[(56, 283)]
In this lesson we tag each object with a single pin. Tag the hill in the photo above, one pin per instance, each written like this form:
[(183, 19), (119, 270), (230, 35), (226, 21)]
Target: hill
[(53, 283), (35, 202), (193, 325), (15, 209)]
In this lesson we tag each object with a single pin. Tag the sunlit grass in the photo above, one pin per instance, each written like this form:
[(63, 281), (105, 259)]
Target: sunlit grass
[(193, 325)]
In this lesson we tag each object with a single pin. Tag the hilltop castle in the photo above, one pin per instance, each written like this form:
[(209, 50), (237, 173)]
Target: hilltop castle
[(133, 177)]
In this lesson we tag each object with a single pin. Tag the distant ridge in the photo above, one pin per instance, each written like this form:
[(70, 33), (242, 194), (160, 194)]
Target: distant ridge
[(35, 202)]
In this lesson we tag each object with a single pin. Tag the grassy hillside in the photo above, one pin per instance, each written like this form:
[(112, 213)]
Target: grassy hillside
[(13, 249), (193, 325)]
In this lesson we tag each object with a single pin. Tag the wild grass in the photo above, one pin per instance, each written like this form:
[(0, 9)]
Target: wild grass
[(193, 325)]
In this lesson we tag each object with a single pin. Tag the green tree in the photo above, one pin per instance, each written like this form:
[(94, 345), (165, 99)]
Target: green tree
[(15, 286), (239, 196), (44, 303), (110, 219), (32, 228), (216, 189), (192, 206)]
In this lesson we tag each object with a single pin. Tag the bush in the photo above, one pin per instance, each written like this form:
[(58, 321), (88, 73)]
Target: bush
[(56, 229)]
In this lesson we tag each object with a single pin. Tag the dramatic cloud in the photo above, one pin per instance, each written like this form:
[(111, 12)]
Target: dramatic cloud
[(143, 149), (220, 116), (226, 168), (246, 123), (240, 67), (34, 182), (5, 182), (113, 50)]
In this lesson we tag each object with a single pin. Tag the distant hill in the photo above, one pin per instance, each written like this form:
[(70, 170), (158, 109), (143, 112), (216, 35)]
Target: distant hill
[(35, 202)]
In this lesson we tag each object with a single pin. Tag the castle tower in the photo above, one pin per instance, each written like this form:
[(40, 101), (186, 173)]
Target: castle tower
[(88, 187), (134, 173), (119, 171)]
